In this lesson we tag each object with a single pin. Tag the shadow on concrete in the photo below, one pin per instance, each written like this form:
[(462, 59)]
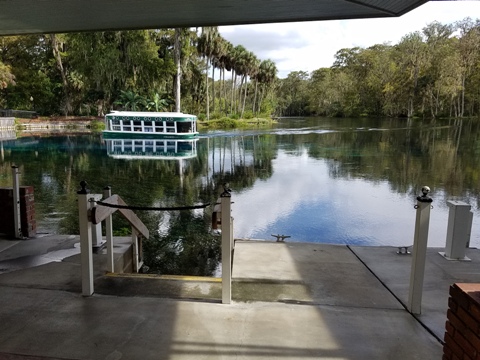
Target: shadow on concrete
[(362, 318), (393, 270)]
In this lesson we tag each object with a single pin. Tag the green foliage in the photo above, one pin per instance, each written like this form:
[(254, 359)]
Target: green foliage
[(6, 76), (96, 125), (248, 115), (428, 73), (202, 116), (188, 249), (227, 123), (215, 115), (433, 72), (157, 103), (131, 101), (123, 231)]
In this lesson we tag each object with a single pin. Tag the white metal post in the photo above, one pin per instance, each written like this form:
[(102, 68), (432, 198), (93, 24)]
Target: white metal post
[(16, 203), (97, 239), (86, 255), (136, 257), (107, 192), (226, 247), (232, 244), (419, 251)]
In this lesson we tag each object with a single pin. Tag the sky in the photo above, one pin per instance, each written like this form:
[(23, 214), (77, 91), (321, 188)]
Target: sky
[(307, 46)]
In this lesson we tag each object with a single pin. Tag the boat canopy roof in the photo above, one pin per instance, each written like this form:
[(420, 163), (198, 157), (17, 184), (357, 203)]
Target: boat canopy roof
[(141, 115)]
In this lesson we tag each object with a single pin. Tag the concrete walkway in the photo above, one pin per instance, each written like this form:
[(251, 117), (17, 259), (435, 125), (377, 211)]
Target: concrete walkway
[(291, 301)]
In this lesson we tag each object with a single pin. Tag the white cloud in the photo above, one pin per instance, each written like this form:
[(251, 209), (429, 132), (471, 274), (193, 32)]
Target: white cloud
[(311, 45)]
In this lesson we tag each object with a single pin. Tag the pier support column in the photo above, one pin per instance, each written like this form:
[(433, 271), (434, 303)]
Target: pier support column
[(227, 235), (419, 251), (86, 254)]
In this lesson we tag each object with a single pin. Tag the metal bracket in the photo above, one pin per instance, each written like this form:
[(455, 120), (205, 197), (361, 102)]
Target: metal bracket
[(403, 250)]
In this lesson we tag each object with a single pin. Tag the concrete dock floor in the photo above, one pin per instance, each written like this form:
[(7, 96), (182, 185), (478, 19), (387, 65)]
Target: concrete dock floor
[(291, 301)]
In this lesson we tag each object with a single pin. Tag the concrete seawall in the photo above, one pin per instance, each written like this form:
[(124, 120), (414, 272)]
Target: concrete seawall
[(7, 123), (29, 126)]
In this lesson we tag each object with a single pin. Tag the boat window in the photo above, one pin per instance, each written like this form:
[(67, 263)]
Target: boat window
[(147, 123), (184, 127), (170, 124)]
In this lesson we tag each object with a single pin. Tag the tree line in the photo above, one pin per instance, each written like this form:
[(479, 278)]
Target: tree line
[(157, 70), (430, 73)]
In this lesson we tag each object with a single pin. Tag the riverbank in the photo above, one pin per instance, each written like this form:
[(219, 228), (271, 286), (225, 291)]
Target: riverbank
[(58, 122), (97, 122)]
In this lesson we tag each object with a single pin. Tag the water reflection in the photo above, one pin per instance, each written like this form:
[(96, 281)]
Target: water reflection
[(348, 181), (151, 149)]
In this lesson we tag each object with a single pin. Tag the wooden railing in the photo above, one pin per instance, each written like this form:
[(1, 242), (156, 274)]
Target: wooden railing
[(92, 212), (91, 216)]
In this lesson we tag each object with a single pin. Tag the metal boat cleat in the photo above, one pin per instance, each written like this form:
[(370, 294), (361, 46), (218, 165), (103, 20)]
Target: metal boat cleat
[(281, 238), (403, 250)]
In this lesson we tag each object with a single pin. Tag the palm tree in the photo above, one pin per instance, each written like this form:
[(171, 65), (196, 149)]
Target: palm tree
[(267, 73), (177, 53), (205, 47), (225, 63), (219, 48), (238, 59), (251, 68), (130, 100), (157, 103)]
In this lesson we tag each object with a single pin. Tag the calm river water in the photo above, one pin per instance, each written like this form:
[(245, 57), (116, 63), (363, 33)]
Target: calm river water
[(340, 181)]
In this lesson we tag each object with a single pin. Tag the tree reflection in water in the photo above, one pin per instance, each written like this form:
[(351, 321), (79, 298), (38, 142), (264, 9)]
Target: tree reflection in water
[(404, 155)]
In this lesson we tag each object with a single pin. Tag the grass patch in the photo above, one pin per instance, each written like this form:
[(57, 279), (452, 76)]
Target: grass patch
[(97, 125), (228, 123)]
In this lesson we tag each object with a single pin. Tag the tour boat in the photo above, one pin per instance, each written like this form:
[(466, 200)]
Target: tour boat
[(150, 125), (152, 149)]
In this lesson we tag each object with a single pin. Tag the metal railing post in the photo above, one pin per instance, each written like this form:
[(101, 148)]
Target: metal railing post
[(107, 192), (16, 203), (97, 240), (232, 242), (227, 235), (419, 251), (135, 248), (86, 254)]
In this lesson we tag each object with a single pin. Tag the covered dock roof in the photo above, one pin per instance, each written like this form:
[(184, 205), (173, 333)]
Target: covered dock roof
[(59, 16)]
